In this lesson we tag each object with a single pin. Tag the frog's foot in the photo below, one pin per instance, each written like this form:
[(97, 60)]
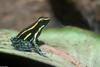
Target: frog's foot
[(40, 51)]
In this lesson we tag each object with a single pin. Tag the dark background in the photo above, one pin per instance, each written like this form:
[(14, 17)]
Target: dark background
[(17, 14)]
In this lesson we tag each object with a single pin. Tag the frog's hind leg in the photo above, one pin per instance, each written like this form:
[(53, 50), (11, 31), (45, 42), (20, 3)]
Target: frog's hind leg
[(21, 45)]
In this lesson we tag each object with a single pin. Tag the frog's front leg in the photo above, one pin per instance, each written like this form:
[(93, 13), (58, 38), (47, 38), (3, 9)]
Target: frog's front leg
[(21, 45), (37, 48)]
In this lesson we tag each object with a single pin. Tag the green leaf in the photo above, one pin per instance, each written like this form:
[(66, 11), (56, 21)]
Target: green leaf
[(65, 47)]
